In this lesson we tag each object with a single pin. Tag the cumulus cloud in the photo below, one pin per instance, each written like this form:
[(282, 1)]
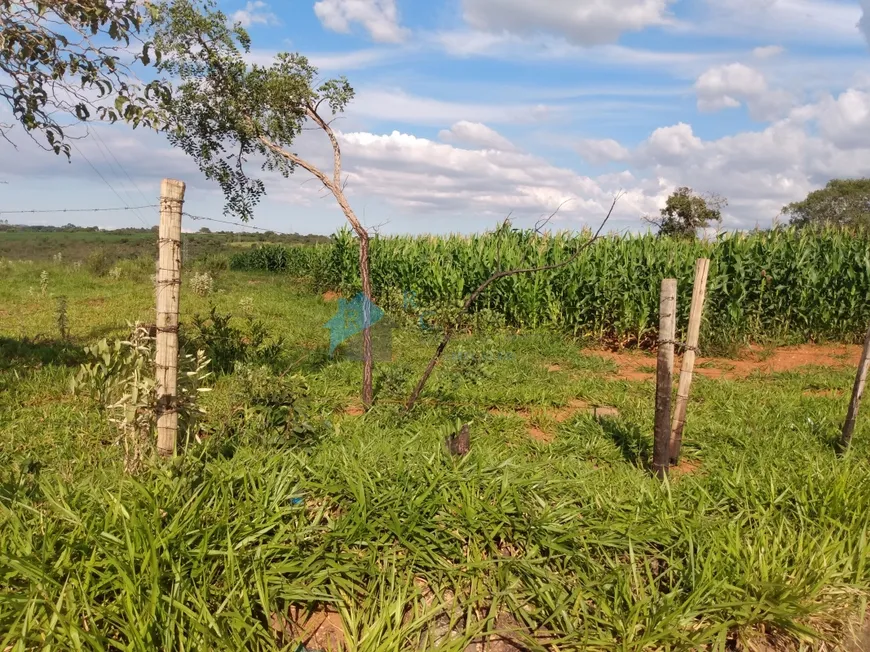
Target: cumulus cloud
[(845, 120), (587, 23), (418, 173), (731, 85), (256, 12), (476, 134), (601, 151), (379, 18)]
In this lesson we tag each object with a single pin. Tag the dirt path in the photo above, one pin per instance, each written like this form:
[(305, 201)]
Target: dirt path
[(641, 365)]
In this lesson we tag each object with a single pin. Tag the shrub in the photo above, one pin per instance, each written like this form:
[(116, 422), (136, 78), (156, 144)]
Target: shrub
[(121, 377), (99, 262), (225, 344), (271, 408), (212, 263)]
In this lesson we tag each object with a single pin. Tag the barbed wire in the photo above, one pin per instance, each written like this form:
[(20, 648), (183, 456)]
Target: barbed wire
[(239, 224), (135, 208), (76, 210)]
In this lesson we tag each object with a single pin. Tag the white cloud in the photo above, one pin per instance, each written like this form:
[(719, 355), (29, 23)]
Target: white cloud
[(798, 21), (761, 171), (379, 18), (731, 85), (864, 21), (256, 12), (845, 120), (601, 151), (399, 107), (720, 87), (421, 174), (476, 134), (768, 51), (589, 23)]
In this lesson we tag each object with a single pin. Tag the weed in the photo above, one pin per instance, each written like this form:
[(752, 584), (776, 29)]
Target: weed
[(61, 317), (43, 283), (202, 284)]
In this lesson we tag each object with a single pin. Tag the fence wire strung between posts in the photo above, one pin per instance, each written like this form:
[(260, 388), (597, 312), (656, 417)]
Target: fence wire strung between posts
[(668, 426)]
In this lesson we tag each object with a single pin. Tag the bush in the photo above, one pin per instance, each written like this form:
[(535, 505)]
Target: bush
[(225, 344), (270, 408), (99, 262), (211, 264)]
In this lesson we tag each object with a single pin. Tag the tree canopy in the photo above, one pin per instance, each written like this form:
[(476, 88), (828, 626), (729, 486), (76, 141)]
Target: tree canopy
[(225, 110), (64, 60), (686, 211), (841, 203)]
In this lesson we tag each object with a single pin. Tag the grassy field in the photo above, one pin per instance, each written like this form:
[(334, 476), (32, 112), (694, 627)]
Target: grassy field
[(550, 534), (45, 243)]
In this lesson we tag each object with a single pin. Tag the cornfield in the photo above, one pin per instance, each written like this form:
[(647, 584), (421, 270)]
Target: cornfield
[(779, 285)]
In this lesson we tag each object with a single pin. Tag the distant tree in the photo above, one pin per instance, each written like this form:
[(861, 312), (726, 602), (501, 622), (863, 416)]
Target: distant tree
[(62, 60), (205, 229), (841, 203), (226, 110), (687, 211)]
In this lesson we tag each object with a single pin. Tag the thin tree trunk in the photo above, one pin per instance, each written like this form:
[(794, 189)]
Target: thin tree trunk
[(368, 357), (448, 333)]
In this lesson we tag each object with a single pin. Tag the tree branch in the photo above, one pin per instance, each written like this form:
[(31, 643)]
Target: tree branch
[(450, 330)]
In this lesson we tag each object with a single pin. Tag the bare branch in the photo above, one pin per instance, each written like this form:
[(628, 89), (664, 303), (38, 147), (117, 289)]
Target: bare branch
[(544, 221), (450, 330)]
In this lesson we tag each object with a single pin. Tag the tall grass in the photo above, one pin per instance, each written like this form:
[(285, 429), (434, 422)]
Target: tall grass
[(780, 285)]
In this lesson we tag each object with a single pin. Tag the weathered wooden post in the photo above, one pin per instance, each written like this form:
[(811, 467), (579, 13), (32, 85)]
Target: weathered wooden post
[(699, 291), (168, 293), (664, 376), (857, 392)]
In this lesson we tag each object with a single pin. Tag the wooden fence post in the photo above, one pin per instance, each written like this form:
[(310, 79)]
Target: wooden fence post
[(699, 291), (857, 392), (168, 293), (664, 376)]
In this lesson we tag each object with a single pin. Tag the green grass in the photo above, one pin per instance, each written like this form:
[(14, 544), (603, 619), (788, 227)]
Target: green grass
[(369, 514), (43, 243)]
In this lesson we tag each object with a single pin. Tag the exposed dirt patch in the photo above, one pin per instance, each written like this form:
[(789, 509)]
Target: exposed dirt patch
[(321, 629), (330, 296), (560, 415), (354, 410), (254, 282), (639, 366), (97, 301), (554, 367), (539, 435), (685, 467), (557, 415), (858, 639)]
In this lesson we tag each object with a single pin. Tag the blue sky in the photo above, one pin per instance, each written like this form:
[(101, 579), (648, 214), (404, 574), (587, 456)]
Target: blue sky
[(468, 110)]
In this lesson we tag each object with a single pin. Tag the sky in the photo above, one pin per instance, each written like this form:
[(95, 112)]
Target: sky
[(467, 111)]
